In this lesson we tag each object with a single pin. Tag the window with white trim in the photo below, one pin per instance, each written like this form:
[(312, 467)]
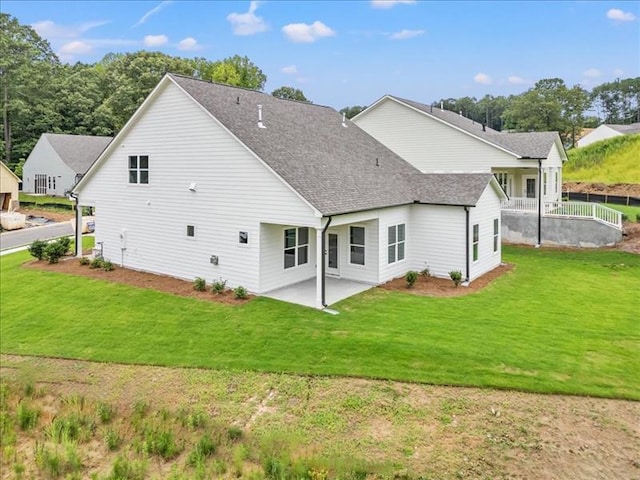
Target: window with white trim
[(544, 183), (476, 241), (503, 180), (139, 169), (356, 245), (296, 246), (555, 181), (496, 234), (396, 240)]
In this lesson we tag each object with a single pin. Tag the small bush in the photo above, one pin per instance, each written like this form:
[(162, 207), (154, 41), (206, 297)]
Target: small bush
[(53, 251), (97, 263), (456, 277), (73, 427), (161, 443), (638, 217), (105, 412), (112, 440), (411, 278), (200, 284), (425, 272), (234, 433), (625, 217), (36, 249), (204, 448), (124, 469), (64, 242), (84, 261), (219, 286), (240, 292), (107, 266), (27, 418)]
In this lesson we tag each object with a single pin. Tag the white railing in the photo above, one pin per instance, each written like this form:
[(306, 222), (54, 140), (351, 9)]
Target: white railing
[(592, 210), (521, 204)]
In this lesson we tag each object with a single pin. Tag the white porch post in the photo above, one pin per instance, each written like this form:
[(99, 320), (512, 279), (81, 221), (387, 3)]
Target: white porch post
[(319, 260), (78, 229)]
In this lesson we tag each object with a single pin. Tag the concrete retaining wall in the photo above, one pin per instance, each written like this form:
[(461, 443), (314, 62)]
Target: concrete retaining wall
[(577, 232)]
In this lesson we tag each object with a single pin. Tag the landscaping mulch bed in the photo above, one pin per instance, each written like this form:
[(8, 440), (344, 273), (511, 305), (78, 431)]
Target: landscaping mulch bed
[(444, 287), (162, 283)]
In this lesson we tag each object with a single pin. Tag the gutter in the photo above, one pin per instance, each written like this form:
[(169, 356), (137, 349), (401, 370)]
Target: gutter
[(466, 209), (539, 204), (78, 237), (323, 266)]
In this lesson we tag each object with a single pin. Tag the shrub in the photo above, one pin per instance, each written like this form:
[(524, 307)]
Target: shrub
[(425, 272), (456, 277), (54, 251), (97, 263), (161, 443), (107, 266), (36, 249), (200, 284), (219, 286), (84, 261), (240, 292), (625, 217), (638, 217), (411, 278), (65, 242)]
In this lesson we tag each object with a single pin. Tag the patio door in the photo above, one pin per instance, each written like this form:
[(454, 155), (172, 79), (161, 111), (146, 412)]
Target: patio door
[(333, 267), (529, 183)]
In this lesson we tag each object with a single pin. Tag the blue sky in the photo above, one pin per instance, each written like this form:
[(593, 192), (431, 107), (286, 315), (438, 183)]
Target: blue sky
[(352, 53)]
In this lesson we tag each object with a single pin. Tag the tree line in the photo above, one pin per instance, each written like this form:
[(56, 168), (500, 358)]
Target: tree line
[(41, 94)]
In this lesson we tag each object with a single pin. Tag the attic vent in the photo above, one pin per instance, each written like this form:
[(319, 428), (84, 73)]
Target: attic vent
[(260, 124)]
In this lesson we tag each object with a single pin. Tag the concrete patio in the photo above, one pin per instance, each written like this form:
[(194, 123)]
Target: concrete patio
[(304, 293)]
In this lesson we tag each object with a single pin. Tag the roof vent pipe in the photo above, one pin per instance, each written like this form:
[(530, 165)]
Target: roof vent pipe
[(344, 119), (460, 112), (260, 124), (441, 105), (484, 128), (238, 101)]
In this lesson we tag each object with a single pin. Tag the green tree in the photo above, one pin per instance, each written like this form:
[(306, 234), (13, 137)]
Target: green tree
[(290, 93), (618, 102), (351, 112), (237, 71), (28, 70)]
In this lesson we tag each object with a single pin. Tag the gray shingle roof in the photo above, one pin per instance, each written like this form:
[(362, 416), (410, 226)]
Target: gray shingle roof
[(336, 169), (450, 188), (526, 145), (626, 129), (78, 152)]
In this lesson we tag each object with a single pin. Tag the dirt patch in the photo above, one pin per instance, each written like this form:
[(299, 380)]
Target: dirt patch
[(56, 216), (631, 238), (162, 283), (444, 287), (621, 189), (416, 430)]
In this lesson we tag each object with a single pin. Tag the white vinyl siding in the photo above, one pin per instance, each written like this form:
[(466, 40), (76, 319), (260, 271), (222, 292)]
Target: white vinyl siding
[(484, 215), (43, 160), (234, 191), (429, 144)]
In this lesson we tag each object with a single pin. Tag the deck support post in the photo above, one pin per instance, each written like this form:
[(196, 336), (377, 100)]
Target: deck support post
[(319, 269)]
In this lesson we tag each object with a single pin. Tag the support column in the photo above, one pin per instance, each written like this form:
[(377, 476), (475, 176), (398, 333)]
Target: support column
[(319, 269), (78, 230)]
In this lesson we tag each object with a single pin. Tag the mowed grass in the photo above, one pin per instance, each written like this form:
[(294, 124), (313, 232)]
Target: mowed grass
[(615, 160), (561, 322), (632, 213), (44, 199)]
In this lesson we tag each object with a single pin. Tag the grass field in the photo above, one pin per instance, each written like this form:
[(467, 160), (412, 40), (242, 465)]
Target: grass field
[(44, 199), (562, 322), (630, 212), (609, 161)]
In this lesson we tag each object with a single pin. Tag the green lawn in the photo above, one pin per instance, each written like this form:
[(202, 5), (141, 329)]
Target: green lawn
[(630, 212), (44, 199), (561, 322)]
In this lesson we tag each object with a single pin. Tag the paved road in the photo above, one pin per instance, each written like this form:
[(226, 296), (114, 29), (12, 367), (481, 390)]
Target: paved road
[(25, 236)]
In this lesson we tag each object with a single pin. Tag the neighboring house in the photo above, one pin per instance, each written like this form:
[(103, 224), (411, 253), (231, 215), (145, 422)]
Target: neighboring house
[(9, 189), (527, 165), (608, 131), (213, 181), (58, 161)]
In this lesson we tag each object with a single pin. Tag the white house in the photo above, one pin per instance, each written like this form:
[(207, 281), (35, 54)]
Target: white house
[(9, 189), (213, 181), (608, 131), (58, 161), (527, 165)]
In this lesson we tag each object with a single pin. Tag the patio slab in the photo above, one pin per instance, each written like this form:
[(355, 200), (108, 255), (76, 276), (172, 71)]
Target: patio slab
[(304, 293)]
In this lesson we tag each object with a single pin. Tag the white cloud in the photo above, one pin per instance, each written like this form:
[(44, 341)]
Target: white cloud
[(247, 23), (303, 33), (387, 4), (77, 47), (151, 12), (483, 79), (592, 73), (290, 70), (188, 43), (51, 30), (620, 16), (405, 34), (155, 40), (515, 80)]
